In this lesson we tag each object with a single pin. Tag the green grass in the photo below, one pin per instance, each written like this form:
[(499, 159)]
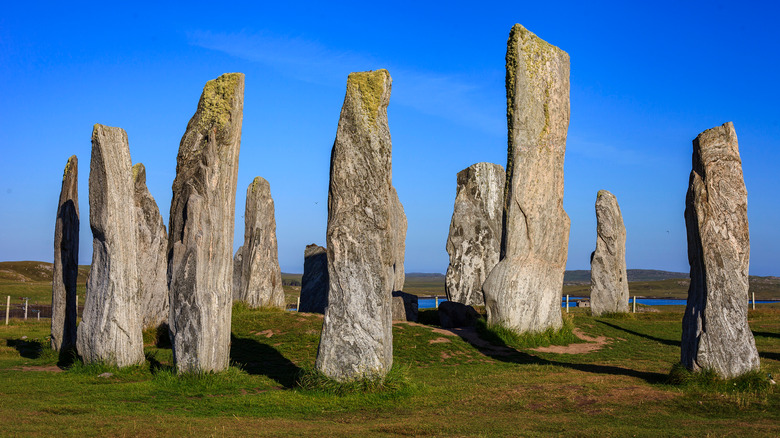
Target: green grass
[(441, 385), (501, 335)]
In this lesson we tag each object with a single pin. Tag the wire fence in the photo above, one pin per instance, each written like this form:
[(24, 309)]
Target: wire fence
[(17, 310)]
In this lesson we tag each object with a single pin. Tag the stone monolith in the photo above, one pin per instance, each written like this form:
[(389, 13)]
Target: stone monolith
[(608, 279), (357, 337), (314, 283), (110, 329), (715, 333), (152, 253), (238, 260), (66, 261), (523, 292), (200, 243), (474, 242), (399, 226), (261, 278)]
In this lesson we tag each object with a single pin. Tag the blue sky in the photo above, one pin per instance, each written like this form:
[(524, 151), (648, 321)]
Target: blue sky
[(646, 78)]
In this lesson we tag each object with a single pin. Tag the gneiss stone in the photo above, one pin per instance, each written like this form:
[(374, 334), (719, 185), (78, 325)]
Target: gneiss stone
[(314, 283), (152, 254), (399, 226), (357, 337), (110, 329), (474, 242), (66, 261), (200, 243), (405, 306), (261, 278), (715, 333), (523, 292), (238, 260), (608, 279)]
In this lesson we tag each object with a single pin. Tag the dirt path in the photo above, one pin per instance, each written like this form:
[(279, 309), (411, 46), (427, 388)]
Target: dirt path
[(592, 344)]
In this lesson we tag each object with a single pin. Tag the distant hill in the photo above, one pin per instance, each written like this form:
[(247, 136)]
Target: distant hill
[(583, 275), (30, 271)]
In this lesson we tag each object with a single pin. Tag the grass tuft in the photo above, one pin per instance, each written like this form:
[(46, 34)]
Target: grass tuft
[(310, 379), (755, 382), (500, 335)]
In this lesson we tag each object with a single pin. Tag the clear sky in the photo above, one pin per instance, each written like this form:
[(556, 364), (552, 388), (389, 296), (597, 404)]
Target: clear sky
[(646, 78)]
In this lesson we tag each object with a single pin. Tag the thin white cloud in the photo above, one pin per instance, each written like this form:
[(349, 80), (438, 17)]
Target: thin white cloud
[(458, 98)]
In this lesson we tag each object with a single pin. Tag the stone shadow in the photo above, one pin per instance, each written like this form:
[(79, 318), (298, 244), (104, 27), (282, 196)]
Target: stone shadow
[(642, 335), (768, 355), (26, 349), (766, 334), (260, 359)]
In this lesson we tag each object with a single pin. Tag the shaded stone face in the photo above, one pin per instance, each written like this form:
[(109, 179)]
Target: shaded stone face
[(523, 292), (399, 226), (357, 339), (314, 283), (715, 327), (200, 244), (238, 262), (260, 283), (66, 261), (474, 241), (110, 329), (405, 306), (608, 278), (152, 254)]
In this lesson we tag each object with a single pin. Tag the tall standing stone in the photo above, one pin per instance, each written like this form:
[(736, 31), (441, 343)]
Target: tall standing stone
[(261, 278), (314, 283), (608, 280), (715, 333), (66, 261), (200, 244), (357, 337), (152, 253), (474, 242), (523, 292), (238, 263), (399, 226), (110, 329)]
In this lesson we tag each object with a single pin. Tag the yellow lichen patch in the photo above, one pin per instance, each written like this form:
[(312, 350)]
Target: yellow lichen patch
[(68, 166), (370, 85), (217, 101), (255, 183), (137, 168)]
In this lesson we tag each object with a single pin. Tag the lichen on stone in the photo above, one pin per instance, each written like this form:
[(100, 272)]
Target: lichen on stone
[(137, 168), (68, 166), (255, 182), (370, 85), (217, 101)]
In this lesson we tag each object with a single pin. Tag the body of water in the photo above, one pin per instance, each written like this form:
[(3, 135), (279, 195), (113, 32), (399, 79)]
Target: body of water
[(430, 303)]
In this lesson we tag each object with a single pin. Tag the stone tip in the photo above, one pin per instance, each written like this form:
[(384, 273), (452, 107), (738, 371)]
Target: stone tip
[(603, 193), (72, 163), (371, 86), (217, 100), (139, 172), (259, 181)]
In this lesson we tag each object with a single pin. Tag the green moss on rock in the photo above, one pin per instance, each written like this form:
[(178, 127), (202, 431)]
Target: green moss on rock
[(370, 85), (216, 101)]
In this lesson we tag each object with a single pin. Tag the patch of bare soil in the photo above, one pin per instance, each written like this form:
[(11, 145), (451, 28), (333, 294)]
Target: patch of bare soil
[(439, 341), (48, 368), (592, 344)]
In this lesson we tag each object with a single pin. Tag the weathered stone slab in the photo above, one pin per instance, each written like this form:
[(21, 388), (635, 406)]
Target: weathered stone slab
[(152, 254), (399, 226), (238, 260), (200, 244), (66, 261), (261, 277), (357, 337), (715, 333), (314, 283), (608, 278), (454, 315), (110, 329), (474, 242), (405, 306), (523, 292)]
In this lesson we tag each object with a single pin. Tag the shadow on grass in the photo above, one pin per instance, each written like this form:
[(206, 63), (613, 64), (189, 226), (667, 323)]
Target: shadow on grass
[(67, 357), (766, 334), (642, 335), (259, 359), (772, 356), (504, 353), (27, 349)]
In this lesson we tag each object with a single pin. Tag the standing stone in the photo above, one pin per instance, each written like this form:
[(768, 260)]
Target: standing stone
[(405, 306), (357, 337), (715, 333), (261, 278), (314, 283), (474, 242), (200, 244), (152, 254), (66, 261), (608, 280), (523, 292), (399, 226), (238, 260), (110, 329)]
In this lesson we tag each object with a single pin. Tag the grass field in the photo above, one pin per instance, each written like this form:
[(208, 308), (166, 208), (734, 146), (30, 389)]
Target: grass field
[(448, 386)]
